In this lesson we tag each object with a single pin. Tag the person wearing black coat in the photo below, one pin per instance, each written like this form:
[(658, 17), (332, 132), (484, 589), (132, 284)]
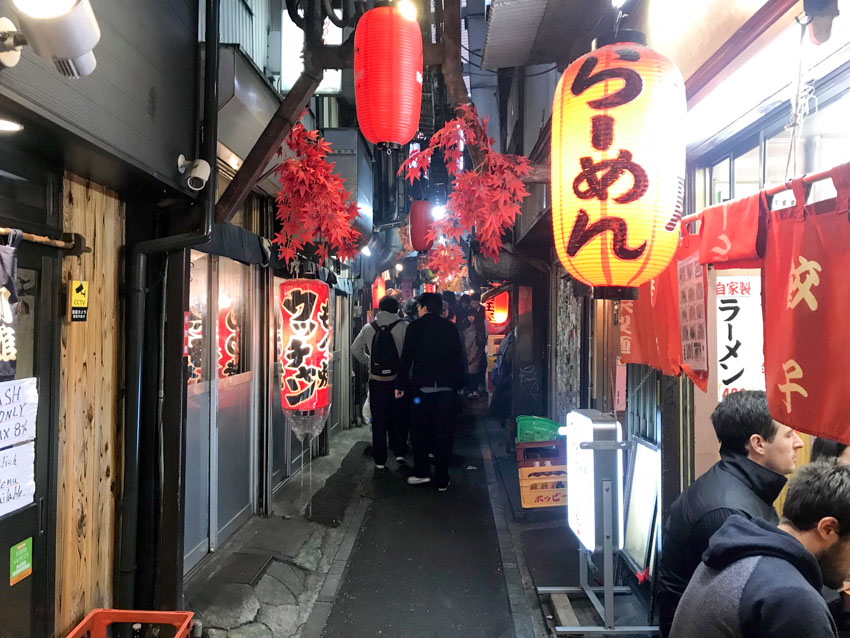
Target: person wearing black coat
[(756, 454), (761, 581), (432, 370)]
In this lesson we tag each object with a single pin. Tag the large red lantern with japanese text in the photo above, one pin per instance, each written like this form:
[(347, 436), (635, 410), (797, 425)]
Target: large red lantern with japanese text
[(388, 74), (618, 165), (420, 224), (496, 312), (306, 340)]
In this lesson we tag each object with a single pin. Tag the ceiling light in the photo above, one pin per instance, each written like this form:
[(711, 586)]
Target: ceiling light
[(407, 9), (366, 251), (438, 212), (618, 4), (10, 126), (399, 267), (64, 31)]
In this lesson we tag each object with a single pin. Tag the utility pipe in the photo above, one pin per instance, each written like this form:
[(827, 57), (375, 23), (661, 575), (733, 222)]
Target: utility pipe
[(137, 276)]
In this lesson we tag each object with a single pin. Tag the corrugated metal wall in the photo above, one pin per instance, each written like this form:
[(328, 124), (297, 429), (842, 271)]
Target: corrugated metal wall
[(246, 23)]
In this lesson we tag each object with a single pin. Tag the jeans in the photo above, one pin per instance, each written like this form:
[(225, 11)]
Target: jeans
[(389, 420), (432, 418)]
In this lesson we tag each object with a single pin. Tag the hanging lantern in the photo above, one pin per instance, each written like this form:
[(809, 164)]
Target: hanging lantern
[(306, 347), (379, 290), (388, 74), (420, 223), (228, 342), (496, 310), (618, 166)]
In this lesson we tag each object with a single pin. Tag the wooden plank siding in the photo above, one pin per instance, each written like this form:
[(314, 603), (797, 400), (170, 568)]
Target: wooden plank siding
[(90, 408)]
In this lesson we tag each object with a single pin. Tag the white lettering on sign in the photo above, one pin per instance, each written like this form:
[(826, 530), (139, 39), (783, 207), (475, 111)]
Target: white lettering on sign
[(18, 411), (17, 477)]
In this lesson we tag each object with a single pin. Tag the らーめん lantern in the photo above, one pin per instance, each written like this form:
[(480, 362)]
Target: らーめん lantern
[(387, 75), (420, 222), (618, 165), (305, 338)]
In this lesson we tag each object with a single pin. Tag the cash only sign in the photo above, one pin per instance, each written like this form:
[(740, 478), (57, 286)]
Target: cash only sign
[(18, 413)]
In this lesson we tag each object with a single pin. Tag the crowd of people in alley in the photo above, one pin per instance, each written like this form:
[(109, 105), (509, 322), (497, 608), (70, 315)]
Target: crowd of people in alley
[(730, 566), (423, 357)]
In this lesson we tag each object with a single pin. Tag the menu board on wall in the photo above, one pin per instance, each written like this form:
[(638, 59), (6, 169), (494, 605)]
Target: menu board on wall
[(740, 334), (692, 313)]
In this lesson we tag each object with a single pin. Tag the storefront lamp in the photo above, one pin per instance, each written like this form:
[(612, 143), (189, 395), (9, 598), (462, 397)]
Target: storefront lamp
[(496, 309), (618, 165), (64, 31), (388, 75), (379, 290)]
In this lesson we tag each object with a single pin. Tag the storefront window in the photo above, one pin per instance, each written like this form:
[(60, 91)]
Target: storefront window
[(196, 336), (234, 286), (747, 174), (720, 191)]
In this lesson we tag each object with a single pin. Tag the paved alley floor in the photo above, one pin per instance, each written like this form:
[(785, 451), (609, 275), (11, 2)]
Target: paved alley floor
[(426, 564)]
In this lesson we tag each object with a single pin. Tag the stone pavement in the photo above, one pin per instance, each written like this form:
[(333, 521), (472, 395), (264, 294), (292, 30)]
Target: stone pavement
[(298, 553)]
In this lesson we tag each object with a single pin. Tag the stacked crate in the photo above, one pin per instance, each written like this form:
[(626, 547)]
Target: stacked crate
[(541, 462)]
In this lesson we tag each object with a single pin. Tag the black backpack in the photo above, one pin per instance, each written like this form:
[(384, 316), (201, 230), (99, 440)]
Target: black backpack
[(383, 358)]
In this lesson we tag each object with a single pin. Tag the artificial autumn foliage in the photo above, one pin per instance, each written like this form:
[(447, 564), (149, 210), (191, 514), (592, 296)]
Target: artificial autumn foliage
[(485, 200), (312, 204)]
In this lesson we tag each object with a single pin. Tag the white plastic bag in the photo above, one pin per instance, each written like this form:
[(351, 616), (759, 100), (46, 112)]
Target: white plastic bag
[(367, 410)]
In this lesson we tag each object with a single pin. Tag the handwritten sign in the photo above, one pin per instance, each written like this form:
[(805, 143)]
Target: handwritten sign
[(18, 411), (17, 477)]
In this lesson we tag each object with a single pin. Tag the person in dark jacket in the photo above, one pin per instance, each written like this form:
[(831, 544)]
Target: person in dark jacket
[(760, 581), (756, 454), (432, 371)]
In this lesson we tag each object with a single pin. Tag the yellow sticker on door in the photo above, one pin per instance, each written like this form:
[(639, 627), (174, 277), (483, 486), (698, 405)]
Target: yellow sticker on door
[(20, 561)]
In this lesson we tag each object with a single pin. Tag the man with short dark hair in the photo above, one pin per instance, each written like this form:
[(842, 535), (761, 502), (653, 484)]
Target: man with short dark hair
[(760, 581), (756, 454), (378, 346), (432, 371)]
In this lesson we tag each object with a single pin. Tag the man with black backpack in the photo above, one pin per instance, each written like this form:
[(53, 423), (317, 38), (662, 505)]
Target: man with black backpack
[(378, 346)]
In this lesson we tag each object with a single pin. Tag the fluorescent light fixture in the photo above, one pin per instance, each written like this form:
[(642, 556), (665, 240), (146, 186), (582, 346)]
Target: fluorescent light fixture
[(10, 126), (618, 4), (64, 31), (407, 9), (399, 267), (366, 251), (438, 212)]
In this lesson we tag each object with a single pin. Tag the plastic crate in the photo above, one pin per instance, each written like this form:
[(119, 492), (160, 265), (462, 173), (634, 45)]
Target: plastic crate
[(550, 451), (544, 492), (97, 623), (535, 428)]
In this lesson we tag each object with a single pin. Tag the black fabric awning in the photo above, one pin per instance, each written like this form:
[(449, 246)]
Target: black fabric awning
[(238, 244)]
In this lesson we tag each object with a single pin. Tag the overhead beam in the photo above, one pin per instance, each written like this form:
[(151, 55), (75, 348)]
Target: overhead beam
[(267, 144), (540, 174)]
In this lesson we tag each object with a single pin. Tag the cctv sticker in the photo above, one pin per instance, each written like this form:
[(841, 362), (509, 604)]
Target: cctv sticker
[(78, 300)]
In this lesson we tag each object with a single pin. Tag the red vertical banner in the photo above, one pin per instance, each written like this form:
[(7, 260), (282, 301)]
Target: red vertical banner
[(806, 307), (228, 342), (306, 338)]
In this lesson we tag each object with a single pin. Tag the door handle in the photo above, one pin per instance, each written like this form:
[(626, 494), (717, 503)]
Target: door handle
[(41, 515)]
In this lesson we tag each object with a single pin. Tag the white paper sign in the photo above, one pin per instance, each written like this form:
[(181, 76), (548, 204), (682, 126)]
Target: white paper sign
[(740, 334), (17, 477), (692, 313), (18, 411)]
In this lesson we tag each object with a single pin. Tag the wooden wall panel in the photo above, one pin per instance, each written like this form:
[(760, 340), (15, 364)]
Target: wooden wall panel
[(90, 408)]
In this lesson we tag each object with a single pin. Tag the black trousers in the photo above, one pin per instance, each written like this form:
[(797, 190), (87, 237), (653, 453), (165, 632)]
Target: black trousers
[(389, 420), (432, 417)]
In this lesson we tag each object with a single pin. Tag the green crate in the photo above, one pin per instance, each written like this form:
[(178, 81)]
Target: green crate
[(535, 428)]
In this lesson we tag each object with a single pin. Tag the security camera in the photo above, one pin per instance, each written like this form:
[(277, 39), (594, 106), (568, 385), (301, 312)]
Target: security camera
[(65, 31), (197, 172)]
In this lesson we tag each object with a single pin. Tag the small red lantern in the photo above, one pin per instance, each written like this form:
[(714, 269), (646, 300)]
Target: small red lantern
[(618, 165), (496, 309), (430, 288), (388, 75), (420, 223), (379, 290), (306, 338)]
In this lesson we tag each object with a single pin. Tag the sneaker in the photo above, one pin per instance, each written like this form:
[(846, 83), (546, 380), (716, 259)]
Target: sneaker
[(400, 459), (418, 480), (443, 488), (379, 467), (431, 456)]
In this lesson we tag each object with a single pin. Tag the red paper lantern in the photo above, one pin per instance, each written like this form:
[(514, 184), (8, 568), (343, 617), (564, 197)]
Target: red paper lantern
[(228, 343), (388, 75), (306, 338), (379, 290), (420, 224), (618, 166), (496, 309)]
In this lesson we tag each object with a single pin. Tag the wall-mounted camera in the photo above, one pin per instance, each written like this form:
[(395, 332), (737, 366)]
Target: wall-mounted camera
[(197, 172)]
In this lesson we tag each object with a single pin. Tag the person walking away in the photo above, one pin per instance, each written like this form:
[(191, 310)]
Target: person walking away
[(432, 371), (411, 311), (756, 454), (760, 581), (378, 346)]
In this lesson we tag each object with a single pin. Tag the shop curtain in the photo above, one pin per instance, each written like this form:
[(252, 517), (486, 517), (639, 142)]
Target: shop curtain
[(650, 330), (733, 233), (806, 309)]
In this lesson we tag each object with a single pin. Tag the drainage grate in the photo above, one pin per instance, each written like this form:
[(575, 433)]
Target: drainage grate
[(244, 569)]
